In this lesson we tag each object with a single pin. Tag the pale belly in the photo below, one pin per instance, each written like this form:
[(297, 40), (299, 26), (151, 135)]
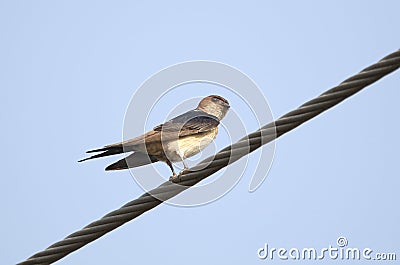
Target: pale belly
[(189, 145)]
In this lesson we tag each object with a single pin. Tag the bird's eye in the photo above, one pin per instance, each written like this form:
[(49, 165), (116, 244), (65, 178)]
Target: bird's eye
[(214, 99)]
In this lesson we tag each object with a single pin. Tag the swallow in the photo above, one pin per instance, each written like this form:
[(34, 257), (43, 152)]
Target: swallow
[(173, 141)]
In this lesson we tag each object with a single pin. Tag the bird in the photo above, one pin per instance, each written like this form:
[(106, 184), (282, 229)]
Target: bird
[(173, 141)]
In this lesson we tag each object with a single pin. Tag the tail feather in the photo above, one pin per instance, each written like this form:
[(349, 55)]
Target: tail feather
[(136, 159), (97, 150), (116, 146), (107, 152)]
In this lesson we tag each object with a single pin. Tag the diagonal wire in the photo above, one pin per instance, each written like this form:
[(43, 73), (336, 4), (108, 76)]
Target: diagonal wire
[(223, 158)]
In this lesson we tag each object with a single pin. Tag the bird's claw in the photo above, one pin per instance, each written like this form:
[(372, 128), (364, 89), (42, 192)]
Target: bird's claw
[(174, 177), (177, 177)]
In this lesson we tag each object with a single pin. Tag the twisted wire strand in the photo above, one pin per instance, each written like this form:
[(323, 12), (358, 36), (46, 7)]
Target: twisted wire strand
[(212, 164)]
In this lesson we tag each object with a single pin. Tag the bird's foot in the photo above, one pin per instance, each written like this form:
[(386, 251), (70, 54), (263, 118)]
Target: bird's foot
[(174, 177)]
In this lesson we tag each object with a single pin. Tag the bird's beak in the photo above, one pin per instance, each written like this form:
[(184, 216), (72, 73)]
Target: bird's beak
[(226, 105)]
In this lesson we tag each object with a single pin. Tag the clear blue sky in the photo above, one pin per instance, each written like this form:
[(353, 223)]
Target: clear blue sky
[(69, 68)]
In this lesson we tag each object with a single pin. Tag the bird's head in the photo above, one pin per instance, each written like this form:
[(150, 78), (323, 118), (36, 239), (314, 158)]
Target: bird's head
[(214, 105)]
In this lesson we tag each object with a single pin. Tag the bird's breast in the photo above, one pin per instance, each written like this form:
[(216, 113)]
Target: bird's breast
[(190, 145)]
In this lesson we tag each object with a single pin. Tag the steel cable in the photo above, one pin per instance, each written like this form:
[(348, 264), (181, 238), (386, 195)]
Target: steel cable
[(212, 164)]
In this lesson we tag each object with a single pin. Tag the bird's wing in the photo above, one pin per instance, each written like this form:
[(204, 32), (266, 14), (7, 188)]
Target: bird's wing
[(189, 123)]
